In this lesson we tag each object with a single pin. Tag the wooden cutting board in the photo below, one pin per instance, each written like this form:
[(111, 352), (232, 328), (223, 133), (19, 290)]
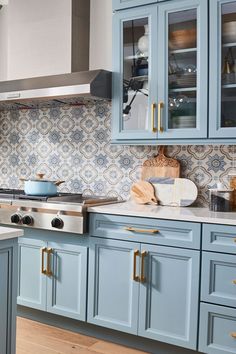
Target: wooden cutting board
[(143, 193), (160, 166)]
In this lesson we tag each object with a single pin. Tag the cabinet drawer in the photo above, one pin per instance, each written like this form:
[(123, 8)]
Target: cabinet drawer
[(219, 279), (145, 230), (219, 238), (217, 329)]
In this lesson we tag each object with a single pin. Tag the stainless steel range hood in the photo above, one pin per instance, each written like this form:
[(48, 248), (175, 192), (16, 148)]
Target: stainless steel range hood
[(94, 84)]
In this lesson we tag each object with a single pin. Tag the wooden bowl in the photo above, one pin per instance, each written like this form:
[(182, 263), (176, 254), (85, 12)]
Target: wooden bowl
[(181, 39)]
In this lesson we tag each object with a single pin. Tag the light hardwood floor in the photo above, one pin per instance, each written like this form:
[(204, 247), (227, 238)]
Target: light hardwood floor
[(37, 338)]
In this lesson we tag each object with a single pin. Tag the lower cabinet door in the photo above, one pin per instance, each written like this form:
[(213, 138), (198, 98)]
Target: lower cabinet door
[(217, 333), (169, 289), (113, 290), (8, 285), (31, 280), (67, 283)]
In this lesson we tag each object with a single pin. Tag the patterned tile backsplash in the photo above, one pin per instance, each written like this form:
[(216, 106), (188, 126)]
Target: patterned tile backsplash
[(73, 144)]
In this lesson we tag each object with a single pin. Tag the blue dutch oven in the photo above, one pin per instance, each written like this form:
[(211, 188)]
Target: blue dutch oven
[(40, 186)]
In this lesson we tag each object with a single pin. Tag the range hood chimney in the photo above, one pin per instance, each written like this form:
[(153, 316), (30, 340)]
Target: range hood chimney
[(66, 87)]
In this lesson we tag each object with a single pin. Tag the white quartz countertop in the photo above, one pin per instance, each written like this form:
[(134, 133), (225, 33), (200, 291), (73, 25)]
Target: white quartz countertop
[(7, 233), (203, 215)]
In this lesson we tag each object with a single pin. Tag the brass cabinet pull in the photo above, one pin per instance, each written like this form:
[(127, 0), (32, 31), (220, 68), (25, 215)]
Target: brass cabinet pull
[(234, 239), (143, 231), (43, 270), (234, 282), (135, 277), (49, 252), (160, 126), (153, 107), (233, 335), (143, 255)]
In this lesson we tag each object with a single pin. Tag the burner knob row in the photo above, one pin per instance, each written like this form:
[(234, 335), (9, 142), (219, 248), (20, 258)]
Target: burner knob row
[(57, 223), (25, 220)]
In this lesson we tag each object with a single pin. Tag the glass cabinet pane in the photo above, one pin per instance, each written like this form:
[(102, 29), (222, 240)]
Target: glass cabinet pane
[(182, 69), (228, 81), (135, 74)]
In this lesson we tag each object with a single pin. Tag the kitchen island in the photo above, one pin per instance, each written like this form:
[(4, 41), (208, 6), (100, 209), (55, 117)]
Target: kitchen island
[(8, 286)]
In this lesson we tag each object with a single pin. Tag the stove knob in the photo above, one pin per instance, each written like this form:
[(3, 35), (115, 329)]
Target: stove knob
[(27, 220), (57, 223), (16, 218)]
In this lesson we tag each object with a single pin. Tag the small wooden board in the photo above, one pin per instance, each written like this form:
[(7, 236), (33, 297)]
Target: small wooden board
[(160, 166), (143, 193)]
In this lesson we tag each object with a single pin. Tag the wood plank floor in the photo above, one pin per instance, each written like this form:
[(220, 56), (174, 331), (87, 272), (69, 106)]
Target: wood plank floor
[(37, 338)]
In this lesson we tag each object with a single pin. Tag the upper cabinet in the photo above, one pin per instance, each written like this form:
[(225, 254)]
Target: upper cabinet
[(169, 86), (135, 72), (160, 72), (222, 68)]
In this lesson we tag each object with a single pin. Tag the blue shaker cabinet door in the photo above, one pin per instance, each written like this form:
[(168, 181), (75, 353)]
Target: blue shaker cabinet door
[(168, 309), (182, 70), (8, 286), (67, 284), (135, 64), (222, 100), (113, 293), (217, 333), (31, 280), (124, 4)]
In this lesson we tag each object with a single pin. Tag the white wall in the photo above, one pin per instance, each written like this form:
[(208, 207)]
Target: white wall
[(24, 21), (3, 43), (100, 34), (39, 38)]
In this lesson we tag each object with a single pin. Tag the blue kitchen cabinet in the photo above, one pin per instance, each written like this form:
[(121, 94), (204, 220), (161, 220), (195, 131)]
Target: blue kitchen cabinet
[(133, 286), (168, 310), (217, 331), (113, 288), (222, 98), (8, 283), (31, 279), (134, 73), (52, 276), (67, 286), (160, 56)]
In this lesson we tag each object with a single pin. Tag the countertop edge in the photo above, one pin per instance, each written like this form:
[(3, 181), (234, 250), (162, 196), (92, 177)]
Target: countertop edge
[(7, 233), (190, 214)]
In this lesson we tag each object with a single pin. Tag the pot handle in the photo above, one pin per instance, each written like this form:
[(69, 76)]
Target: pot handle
[(23, 179), (40, 175), (57, 183)]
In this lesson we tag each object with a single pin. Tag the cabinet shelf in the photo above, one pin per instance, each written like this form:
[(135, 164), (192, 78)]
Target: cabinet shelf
[(229, 45), (229, 86), (185, 89), (183, 51)]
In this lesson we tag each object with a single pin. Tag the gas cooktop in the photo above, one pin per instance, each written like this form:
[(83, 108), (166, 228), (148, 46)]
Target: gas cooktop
[(59, 198), (65, 212)]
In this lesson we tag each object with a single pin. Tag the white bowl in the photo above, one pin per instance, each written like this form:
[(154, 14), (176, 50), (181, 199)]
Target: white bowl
[(229, 32)]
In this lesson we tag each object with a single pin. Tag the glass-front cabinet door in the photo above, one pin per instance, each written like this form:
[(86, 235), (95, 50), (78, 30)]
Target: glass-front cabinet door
[(135, 74), (222, 112), (182, 71)]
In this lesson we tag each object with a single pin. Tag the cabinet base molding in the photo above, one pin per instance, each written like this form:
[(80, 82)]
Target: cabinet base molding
[(117, 337)]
